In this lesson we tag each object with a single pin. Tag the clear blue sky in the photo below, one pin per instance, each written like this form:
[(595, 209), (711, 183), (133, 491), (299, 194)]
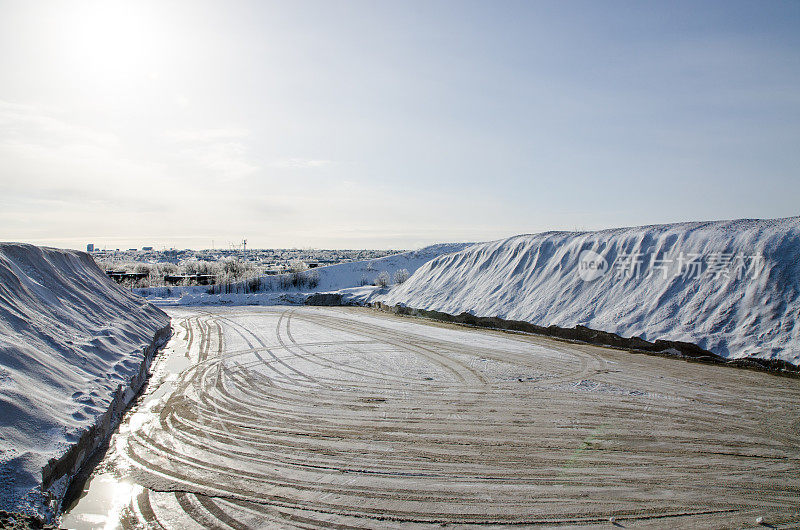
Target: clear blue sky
[(390, 124)]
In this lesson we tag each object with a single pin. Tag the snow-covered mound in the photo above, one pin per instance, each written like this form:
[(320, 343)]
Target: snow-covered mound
[(355, 278), (730, 287), (71, 343), (353, 274)]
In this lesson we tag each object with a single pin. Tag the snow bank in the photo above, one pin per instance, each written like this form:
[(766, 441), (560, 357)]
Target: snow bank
[(730, 287), (346, 277), (72, 344)]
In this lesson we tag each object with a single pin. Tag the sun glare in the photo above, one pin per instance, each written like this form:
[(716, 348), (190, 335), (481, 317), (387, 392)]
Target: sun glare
[(107, 43)]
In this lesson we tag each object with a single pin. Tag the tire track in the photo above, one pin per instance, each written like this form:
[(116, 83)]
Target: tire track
[(374, 425)]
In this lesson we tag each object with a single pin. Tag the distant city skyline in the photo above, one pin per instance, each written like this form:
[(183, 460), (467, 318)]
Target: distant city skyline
[(385, 125), (231, 247)]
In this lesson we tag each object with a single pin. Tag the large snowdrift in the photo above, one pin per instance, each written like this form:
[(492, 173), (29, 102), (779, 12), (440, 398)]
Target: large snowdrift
[(730, 287), (353, 280), (72, 345)]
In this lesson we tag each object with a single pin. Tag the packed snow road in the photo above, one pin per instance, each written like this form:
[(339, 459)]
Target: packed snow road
[(345, 417)]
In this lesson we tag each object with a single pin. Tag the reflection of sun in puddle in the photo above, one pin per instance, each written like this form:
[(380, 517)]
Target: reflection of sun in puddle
[(124, 492), (102, 503)]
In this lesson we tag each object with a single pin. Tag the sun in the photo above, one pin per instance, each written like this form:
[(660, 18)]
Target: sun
[(111, 42)]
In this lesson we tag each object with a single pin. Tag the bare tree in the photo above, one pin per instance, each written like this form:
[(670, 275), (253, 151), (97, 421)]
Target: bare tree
[(312, 278), (383, 279), (401, 275)]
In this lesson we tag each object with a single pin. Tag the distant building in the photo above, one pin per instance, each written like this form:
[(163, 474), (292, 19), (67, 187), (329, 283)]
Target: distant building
[(90, 247), (190, 279)]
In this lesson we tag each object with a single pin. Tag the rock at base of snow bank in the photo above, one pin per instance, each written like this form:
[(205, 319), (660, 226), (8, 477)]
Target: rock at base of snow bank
[(729, 287), (74, 349), (324, 299)]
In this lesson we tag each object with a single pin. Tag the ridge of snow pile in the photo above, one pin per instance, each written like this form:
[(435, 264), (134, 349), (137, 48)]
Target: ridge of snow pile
[(69, 338), (342, 276), (348, 275), (731, 287)]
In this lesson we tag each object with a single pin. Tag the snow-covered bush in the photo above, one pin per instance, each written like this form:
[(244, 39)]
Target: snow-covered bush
[(401, 275), (383, 279), (297, 265), (225, 271)]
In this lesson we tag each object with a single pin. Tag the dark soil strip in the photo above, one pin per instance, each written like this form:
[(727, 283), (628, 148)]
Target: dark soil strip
[(664, 348)]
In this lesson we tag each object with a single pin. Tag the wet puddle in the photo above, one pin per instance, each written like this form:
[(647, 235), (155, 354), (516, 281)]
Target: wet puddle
[(105, 494), (101, 503)]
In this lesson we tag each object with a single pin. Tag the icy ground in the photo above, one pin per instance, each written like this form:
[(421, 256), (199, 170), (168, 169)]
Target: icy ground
[(343, 417), (731, 287), (69, 338)]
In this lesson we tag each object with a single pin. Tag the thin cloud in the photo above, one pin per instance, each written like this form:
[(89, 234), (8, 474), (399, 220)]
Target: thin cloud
[(221, 154), (205, 135), (22, 125), (301, 163)]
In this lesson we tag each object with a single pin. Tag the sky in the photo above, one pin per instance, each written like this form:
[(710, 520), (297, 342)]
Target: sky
[(379, 124)]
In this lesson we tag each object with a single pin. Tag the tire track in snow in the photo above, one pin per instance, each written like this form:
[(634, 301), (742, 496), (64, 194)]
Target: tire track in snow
[(430, 430)]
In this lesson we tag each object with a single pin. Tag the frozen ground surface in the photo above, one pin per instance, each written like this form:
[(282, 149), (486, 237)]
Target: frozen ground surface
[(730, 287), (347, 278), (69, 338), (345, 417)]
